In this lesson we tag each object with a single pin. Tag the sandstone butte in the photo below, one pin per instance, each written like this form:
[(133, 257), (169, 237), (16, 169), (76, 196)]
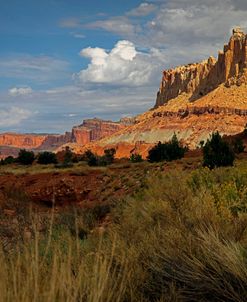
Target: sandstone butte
[(193, 101), (89, 131)]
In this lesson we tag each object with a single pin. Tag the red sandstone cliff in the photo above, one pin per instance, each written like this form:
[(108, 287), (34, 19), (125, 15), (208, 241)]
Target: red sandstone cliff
[(194, 101), (89, 131), (94, 129), (51, 142), (200, 78), (28, 141), (11, 143)]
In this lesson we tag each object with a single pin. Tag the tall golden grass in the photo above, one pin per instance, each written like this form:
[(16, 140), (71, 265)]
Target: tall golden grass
[(183, 238)]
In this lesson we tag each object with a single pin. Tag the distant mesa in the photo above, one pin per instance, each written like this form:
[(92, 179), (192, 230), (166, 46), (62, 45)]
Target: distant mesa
[(95, 129), (89, 131)]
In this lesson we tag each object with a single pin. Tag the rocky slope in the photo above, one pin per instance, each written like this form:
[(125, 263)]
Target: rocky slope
[(193, 101)]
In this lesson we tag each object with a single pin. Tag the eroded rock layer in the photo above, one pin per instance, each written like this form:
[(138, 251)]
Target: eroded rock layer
[(89, 131), (200, 78), (11, 143), (94, 129), (195, 100)]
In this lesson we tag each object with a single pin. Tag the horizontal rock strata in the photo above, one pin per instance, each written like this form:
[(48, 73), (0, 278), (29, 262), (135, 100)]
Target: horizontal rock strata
[(200, 78)]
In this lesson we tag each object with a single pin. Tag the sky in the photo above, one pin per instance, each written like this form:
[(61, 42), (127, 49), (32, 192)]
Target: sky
[(62, 61)]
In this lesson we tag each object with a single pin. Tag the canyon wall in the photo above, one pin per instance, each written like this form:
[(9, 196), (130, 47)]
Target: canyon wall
[(94, 129), (194, 110), (27, 141), (51, 142), (200, 78), (11, 143), (89, 131)]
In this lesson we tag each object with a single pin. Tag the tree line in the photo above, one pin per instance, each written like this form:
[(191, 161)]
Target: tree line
[(217, 152)]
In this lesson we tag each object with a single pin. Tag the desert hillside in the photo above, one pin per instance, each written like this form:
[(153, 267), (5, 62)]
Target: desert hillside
[(193, 101)]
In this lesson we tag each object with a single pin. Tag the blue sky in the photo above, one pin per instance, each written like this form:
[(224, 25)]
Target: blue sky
[(63, 61)]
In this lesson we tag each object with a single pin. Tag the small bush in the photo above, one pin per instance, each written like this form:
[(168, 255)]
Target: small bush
[(65, 158), (169, 151), (25, 157), (7, 161), (107, 158), (136, 158), (238, 146), (94, 160), (90, 158), (217, 152), (68, 156), (46, 158)]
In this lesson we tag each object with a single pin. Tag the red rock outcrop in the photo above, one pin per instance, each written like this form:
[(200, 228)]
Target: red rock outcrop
[(199, 79), (94, 129), (11, 143), (28, 141), (34, 141), (194, 101), (89, 131), (51, 142)]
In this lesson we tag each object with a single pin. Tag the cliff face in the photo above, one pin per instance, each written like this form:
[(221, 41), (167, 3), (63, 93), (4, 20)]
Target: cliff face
[(194, 101), (89, 131), (52, 142), (94, 129), (11, 143), (199, 79), (27, 141)]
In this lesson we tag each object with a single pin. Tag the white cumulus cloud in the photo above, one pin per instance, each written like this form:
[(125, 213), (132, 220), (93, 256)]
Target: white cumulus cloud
[(13, 116), (15, 91), (123, 65)]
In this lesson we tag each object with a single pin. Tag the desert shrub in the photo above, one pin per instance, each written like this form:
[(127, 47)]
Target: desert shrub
[(25, 157), (46, 158), (109, 155), (94, 160), (238, 146), (8, 160), (217, 152), (136, 158), (90, 158), (68, 156), (66, 160), (169, 151)]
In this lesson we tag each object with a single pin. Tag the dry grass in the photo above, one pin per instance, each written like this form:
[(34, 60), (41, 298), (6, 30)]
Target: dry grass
[(182, 238)]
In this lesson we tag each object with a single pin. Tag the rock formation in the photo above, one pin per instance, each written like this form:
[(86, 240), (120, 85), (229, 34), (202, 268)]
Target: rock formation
[(27, 141), (51, 142), (11, 143), (199, 79), (94, 129), (34, 141), (194, 101), (89, 131)]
